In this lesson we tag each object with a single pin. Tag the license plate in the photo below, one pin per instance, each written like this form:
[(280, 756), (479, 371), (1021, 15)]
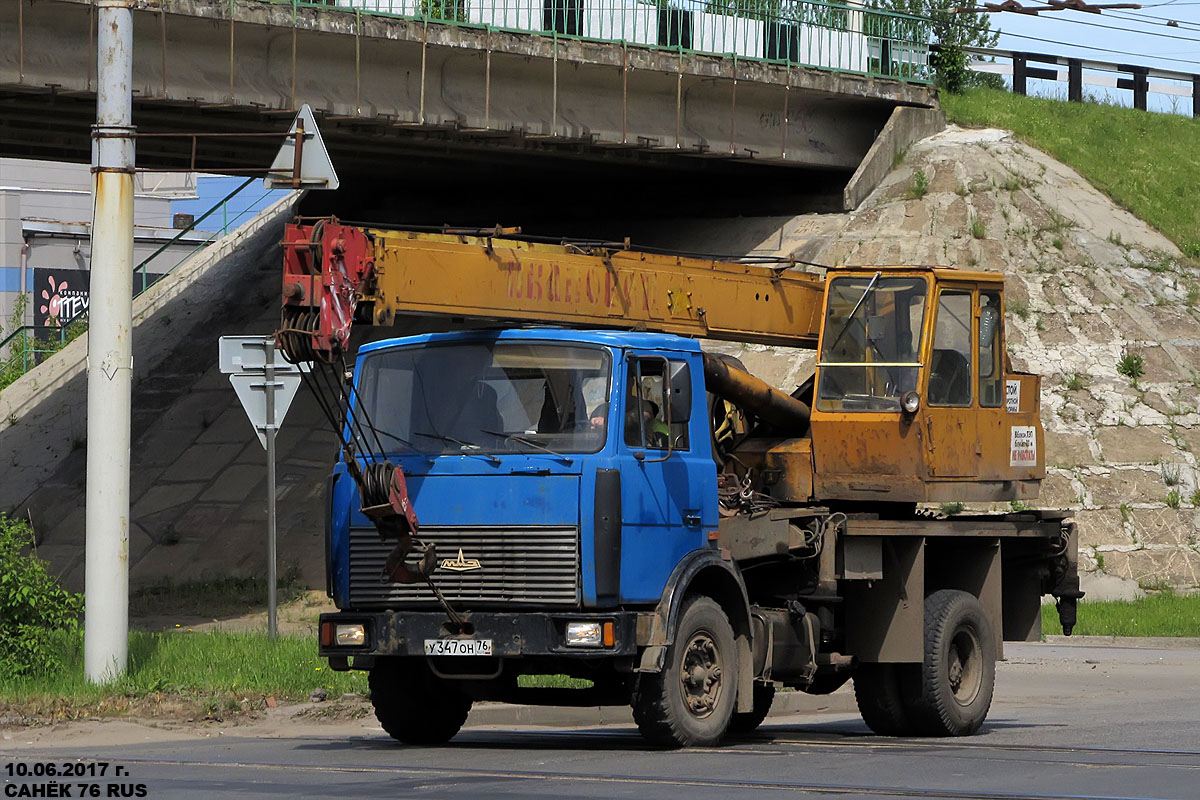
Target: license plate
[(458, 647)]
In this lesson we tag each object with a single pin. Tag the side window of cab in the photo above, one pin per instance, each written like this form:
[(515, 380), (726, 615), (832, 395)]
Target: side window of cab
[(646, 414), (950, 366), (991, 350)]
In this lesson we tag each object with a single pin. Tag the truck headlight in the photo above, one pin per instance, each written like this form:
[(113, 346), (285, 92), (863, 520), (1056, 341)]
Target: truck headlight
[(350, 635), (584, 634)]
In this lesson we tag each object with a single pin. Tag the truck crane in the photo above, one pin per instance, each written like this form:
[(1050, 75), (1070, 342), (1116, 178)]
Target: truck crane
[(573, 486)]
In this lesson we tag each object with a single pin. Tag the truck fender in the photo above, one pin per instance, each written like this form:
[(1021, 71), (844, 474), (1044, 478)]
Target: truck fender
[(709, 573)]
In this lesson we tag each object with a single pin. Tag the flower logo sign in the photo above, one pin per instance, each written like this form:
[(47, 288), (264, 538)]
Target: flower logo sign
[(60, 303)]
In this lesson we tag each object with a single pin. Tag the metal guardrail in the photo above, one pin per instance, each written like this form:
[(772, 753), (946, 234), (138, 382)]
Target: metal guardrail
[(1078, 72), (28, 345), (806, 33)]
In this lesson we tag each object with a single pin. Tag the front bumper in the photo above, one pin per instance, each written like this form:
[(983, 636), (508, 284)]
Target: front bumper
[(513, 635)]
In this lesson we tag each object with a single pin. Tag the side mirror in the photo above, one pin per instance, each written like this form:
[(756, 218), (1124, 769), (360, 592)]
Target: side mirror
[(680, 384)]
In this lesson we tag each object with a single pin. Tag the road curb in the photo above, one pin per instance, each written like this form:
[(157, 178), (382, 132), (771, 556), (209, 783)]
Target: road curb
[(1140, 642)]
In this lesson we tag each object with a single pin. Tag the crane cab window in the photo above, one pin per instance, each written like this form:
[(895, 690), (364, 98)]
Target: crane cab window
[(646, 424), (870, 343), (950, 365), (991, 354)]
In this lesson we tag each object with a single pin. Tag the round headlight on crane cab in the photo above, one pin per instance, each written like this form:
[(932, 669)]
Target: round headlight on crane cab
[(910, 402)]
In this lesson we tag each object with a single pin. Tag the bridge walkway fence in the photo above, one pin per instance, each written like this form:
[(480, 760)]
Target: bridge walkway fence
[(805, 33)]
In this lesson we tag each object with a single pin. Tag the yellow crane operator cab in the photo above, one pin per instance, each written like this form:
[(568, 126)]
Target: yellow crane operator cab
[(913, 381)]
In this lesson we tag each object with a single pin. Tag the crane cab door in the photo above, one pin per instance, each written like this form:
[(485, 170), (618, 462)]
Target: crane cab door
[(953, 447), (668, 477)]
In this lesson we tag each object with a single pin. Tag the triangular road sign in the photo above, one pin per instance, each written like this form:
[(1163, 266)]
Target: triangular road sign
[(251, 390), (316, 169)]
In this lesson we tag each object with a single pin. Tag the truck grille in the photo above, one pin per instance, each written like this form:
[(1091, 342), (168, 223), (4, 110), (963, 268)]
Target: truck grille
[(527, 565)]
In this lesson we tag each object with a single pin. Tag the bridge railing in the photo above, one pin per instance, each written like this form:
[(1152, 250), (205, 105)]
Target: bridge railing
[(807, 33)]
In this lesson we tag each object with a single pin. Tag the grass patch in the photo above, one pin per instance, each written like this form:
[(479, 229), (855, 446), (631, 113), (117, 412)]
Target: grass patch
[(195, 674), (1160, 614), (553, 682), (1132, 366), (1145, 162), (919, 187)]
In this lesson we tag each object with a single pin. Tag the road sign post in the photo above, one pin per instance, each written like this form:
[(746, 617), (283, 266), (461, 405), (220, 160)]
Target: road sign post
[(265, 388)]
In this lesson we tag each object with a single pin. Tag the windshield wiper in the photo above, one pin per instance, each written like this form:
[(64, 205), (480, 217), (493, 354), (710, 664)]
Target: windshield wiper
[(401, 440), (517, 438), (870, 288), (460, 443)]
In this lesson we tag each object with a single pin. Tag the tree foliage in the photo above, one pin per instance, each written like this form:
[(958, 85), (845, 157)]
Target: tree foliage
[(33, 605), (965, 30), (828, 13)]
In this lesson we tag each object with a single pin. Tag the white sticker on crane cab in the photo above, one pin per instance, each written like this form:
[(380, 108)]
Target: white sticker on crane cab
[(1022, 449), (1012, 396)]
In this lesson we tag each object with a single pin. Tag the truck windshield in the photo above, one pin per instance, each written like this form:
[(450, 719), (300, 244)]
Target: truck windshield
[(871, 342), (488, 397)]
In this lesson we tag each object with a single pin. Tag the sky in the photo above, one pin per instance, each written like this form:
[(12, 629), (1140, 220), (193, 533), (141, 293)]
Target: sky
[(1140, 37)]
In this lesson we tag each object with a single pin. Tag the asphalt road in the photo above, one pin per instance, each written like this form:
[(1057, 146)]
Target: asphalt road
[(1068, 722)]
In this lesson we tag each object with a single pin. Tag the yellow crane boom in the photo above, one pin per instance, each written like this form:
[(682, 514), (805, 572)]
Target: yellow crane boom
[(332, 269)]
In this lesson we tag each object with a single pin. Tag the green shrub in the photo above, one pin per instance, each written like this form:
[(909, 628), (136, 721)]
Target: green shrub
[(33, 606), (950, 65)]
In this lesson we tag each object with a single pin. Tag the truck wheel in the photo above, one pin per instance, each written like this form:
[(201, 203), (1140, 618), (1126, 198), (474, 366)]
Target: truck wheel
[(415, 706), (878, 692), (954, 691), (743, 722), (691, 701)]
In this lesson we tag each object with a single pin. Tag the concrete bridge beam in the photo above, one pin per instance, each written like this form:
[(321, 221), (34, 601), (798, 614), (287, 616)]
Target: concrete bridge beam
[(204, 64)]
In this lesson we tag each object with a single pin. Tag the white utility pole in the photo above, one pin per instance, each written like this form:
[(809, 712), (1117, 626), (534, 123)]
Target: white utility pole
[(110, 350)]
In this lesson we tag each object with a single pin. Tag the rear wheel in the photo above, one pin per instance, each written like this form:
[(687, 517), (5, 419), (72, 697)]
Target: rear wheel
[(691, 701), (878, 690), (415, 706), (954, 691)]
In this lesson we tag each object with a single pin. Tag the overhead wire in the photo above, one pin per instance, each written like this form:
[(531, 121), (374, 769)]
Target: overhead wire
[(1093, 48), (1113, 28)]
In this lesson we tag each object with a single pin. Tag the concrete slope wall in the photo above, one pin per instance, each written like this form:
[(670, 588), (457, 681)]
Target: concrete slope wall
[(43, 416)]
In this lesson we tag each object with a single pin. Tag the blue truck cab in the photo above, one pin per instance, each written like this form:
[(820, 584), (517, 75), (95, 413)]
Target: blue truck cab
[(543, 469), (566, 479)]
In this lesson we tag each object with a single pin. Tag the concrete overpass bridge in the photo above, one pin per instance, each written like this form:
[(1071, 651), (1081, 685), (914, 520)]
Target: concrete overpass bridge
[(495, 110)]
